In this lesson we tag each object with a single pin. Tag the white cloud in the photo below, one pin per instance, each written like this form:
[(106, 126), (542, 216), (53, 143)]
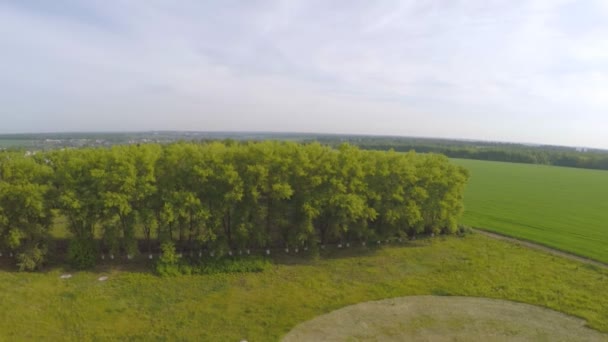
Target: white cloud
[(471, 69)]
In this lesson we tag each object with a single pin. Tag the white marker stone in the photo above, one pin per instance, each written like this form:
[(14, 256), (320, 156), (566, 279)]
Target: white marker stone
[(103, 257), (363, 244), (150, 257), (378, 242), (129, 257), (230, 253), (112, 256), (65, 276), (286, 250), (268, 252), (248, 252), (104, 278)]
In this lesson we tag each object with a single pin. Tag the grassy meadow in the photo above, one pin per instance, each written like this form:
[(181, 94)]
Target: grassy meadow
[(265, 306), (559, 207)]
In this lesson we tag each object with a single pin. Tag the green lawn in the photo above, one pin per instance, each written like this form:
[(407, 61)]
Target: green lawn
[(265, 306), (559, 207)]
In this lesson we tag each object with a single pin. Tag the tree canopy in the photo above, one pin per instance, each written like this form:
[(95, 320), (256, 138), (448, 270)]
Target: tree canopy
[(221, 196)]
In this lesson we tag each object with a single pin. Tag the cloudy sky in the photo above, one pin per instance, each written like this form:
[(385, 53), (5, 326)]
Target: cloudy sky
[(506, 70)]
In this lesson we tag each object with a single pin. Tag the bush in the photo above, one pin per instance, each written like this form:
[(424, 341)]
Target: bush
[(82, 253), (231, 265), (167, 270), (168, 263), (464, 230), (32, 258)]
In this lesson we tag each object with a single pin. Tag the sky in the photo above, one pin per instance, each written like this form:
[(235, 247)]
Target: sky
[(532, 71)]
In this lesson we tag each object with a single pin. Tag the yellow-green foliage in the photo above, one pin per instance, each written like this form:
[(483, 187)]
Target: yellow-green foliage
[(222, 197), (265, 306)]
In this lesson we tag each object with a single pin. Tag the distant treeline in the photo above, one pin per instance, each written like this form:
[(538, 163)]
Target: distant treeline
[(513, 153), (496, 151), (220, 196)]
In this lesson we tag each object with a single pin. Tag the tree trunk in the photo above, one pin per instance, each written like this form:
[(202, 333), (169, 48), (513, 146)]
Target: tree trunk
[(228, 227)]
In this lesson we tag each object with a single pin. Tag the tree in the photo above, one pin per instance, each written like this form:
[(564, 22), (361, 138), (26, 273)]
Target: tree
[(345, 212), (77, 181), (222, 196), (25, 211)]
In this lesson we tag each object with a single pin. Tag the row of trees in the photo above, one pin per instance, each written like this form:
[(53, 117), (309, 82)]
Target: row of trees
[(582, 160), (512, 153), (221, 196)]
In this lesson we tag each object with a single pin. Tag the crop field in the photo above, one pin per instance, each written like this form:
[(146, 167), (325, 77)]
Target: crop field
[(559, 207), (134, 304)]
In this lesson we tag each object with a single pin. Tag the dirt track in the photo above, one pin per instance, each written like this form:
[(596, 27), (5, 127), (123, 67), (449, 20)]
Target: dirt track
[(543, 248)]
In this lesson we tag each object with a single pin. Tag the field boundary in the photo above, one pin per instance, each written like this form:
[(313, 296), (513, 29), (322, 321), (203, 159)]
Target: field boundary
[(540, 247)]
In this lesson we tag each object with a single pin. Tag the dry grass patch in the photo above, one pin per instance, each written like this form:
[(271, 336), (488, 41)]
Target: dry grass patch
[(435, 318)]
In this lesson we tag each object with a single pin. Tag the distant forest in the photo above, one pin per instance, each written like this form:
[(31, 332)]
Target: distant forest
[(506, 152)]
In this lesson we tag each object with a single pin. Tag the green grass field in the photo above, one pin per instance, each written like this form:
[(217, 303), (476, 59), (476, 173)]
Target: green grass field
[(564, 208), (133, 305)]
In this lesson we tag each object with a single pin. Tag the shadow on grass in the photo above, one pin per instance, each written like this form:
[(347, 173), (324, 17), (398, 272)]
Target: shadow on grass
[(142, 264), (139, 265), (307, 258)]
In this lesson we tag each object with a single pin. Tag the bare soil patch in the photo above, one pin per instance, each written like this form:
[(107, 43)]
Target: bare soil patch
[(436, 318)]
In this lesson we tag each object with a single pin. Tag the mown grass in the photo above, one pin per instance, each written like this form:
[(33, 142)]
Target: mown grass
[(265, 306), (564, 208)]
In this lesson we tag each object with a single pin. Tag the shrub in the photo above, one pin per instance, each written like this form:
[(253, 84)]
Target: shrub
[(31, 259), (232, 265), (168, 263), (82, 253), (464, 230)]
